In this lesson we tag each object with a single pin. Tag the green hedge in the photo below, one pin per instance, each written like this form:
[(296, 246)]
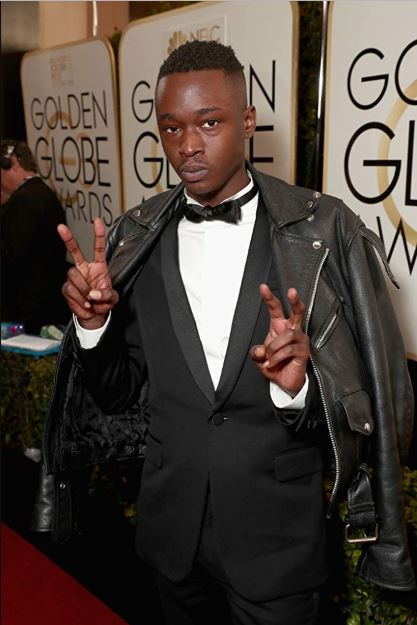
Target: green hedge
[(26, 387)]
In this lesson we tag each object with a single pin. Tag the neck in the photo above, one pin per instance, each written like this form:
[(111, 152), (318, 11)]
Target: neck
[(22, 177)]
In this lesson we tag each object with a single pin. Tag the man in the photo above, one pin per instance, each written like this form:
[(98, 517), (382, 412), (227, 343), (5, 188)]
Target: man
[(33, 258), (200, 328)]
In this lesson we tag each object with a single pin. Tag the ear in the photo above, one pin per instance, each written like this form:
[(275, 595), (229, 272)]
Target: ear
[(250, 121), (15, 162)]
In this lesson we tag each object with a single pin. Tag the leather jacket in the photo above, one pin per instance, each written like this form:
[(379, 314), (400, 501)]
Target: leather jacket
[(321, 248)]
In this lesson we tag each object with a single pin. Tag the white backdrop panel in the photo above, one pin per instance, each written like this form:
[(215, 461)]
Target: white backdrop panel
[(261, 34), (70, 108), (371, 135)]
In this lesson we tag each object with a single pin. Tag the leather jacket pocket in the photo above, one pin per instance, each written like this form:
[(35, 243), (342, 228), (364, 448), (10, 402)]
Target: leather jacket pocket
[(296, 463), (328, 327), (153, 451), (358, 411)]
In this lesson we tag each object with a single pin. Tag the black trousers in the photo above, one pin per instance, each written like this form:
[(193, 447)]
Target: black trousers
[(206, 596)]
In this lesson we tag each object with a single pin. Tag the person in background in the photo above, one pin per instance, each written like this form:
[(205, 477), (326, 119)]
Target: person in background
[(33, 259), (256, 315)]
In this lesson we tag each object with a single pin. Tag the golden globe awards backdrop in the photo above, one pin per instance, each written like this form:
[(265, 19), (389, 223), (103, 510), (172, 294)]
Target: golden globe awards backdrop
[(370, 157), (71, 125), (264, 40)]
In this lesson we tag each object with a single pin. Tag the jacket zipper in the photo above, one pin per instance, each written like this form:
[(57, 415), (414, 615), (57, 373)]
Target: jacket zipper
[(321, 387)]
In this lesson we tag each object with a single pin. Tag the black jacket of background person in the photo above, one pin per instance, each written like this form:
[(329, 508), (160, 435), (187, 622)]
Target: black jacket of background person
[(263, 464), (33, 257)]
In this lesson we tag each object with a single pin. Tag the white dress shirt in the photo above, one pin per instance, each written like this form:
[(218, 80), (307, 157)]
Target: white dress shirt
[(212, 257)]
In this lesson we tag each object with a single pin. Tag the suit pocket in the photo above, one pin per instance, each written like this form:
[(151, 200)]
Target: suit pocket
[(296, 463), (153, 451)]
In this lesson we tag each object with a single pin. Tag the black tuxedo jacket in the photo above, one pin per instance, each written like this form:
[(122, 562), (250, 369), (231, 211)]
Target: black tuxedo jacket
[(265, 479)]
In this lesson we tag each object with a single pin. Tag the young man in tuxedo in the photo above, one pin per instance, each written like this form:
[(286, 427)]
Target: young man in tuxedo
[(256, 327)]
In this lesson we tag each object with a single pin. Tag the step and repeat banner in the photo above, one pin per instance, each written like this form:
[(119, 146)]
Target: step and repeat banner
[(370, 157), (265, 41), (70, 104)]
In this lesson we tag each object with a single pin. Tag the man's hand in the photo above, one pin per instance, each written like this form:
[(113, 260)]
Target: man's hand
[(283, 356), (88, 289)]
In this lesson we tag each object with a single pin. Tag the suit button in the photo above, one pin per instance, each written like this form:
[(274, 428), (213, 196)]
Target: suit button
[(218, 419)]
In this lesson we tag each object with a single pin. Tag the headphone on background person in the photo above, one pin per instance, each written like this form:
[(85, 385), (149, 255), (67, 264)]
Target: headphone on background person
[(5, 159)]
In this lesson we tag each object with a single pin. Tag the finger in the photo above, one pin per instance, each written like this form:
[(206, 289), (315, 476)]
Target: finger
[(296, 351), (279, 342), (103, 296), (257, 353), (297, 308), (296, 354), (75, 297), (71, 244), (99, 241), (102, 309), (103, 300), (75, 277), (272, 302)]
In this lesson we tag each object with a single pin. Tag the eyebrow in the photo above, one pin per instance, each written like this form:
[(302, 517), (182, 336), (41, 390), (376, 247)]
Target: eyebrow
[(203, 111)]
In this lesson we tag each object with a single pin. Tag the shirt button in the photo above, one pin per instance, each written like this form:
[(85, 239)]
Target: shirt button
[(218, 419)]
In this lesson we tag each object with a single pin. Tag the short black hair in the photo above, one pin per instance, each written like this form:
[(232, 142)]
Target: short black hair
[(21, 151), (195, 56)]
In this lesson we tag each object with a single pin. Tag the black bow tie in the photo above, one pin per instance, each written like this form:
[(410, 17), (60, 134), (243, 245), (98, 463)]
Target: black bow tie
[(229, 211)]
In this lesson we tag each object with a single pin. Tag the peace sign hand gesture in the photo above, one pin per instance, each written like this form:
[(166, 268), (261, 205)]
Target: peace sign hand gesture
[(88, 289), (283, 356)]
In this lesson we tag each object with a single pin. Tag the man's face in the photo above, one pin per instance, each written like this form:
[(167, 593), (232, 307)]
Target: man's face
[(7, 184), (203, 122), (10, 179)]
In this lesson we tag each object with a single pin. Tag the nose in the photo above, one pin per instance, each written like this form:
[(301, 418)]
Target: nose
[(191, 143)]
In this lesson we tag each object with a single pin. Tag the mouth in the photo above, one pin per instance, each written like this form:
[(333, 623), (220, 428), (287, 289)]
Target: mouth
[(192, 173)]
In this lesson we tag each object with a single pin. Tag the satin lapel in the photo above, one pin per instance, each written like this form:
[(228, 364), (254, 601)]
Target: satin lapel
[(247, 308), (180, 311)]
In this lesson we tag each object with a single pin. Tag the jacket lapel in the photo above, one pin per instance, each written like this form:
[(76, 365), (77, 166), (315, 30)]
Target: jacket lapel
[(180, 311), (248, 305)]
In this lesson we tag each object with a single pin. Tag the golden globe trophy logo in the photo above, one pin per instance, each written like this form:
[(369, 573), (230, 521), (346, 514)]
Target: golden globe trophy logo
[(390, 139)]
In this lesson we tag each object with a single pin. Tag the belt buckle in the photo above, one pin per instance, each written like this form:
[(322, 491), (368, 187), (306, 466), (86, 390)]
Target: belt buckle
[(361, 539)]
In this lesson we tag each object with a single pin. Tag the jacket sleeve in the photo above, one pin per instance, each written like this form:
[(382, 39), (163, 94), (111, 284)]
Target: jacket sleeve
[(387, 561), (115, 370)]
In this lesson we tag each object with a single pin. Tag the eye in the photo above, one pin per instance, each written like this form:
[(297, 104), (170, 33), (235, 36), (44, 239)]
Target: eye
[(171, 129), (210, 123)]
